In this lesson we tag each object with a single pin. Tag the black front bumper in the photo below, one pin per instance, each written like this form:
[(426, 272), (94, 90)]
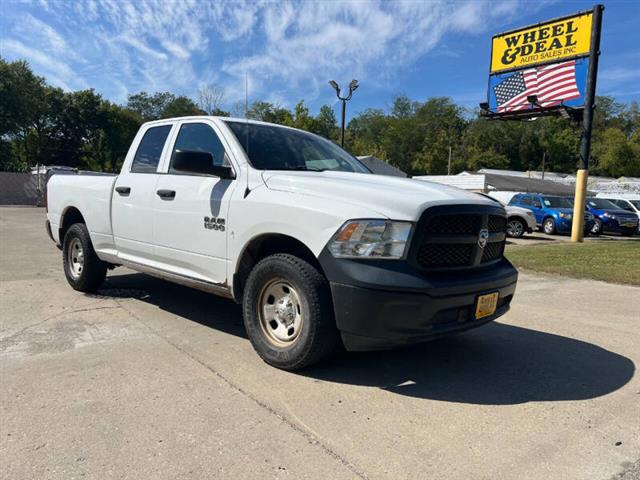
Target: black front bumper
[(386, 303)]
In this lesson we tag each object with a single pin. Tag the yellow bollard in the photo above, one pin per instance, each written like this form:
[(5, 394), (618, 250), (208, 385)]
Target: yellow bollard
[(577, 226)]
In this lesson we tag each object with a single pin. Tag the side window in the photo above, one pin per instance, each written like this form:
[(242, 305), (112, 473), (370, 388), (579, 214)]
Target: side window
[(535, 201), (201, 138), (150, 148), (526, 200), (515, 200)]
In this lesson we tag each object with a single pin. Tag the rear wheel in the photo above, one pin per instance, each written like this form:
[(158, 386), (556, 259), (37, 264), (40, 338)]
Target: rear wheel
[(85, 272), (515, 228), (549, 226), (597, 227), (288, 313)]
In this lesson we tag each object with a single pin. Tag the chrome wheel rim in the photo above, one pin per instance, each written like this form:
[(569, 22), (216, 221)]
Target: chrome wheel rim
[(515, 228), (595, 228), (548, 227), (280, 312), (75, 258)]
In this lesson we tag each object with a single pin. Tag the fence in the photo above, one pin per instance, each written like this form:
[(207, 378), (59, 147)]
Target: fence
[(22, 188)]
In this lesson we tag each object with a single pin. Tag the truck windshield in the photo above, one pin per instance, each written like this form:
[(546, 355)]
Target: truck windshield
[(277, 148)]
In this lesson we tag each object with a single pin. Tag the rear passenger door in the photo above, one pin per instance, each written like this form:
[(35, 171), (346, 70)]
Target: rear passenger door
[(190, 226), (134, 195)]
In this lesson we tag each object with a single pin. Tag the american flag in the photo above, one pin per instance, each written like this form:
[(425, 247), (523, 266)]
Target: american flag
[(552, 84)]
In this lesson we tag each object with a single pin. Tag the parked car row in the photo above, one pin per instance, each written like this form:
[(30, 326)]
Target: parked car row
[(554, 214)]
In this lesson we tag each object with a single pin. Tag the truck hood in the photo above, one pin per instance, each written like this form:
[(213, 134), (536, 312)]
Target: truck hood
[(392, 197), (513, 210)]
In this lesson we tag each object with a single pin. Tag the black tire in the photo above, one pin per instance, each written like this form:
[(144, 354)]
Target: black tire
[(597, 227), (317, 337), (90, 276), (549, 226), (516, 227)]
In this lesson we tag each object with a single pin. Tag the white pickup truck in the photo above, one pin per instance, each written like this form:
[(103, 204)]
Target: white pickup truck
[(320, 252)]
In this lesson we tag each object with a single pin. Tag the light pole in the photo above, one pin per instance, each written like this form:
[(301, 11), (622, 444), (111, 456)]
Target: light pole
[(353, 85)]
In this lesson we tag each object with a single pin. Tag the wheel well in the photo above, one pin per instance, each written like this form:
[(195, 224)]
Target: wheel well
[(517, 217), (69, 217), (263, 246)]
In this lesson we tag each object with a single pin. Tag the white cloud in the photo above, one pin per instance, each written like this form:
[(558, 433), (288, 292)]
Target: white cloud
[(287, 48), (58, 73)]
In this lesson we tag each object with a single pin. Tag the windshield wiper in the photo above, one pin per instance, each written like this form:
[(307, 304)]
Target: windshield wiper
[(305, 168)]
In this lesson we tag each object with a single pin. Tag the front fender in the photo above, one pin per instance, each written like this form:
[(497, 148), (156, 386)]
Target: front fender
[(310, 220)]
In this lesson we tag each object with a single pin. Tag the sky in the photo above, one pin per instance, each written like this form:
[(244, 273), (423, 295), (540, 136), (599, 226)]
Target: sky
[(289, 50)]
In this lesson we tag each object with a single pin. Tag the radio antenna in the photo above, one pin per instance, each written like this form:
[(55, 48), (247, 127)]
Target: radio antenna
[(246, 130)]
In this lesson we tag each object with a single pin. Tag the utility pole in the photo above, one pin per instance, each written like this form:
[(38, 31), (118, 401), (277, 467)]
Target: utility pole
[(353, 85), (577, 227), (544, 156), (449, 163)]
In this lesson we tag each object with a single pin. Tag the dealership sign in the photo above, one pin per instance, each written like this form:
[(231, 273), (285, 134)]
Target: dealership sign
[(543, 43), (540, 68)]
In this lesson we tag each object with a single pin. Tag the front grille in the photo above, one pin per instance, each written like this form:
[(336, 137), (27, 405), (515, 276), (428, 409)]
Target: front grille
[(492, 251), (445, 255), (446, 224), (497, 223), (452, 240)]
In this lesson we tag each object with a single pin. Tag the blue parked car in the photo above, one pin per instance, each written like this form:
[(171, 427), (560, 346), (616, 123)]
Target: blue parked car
[(609, 217), (553, 214)]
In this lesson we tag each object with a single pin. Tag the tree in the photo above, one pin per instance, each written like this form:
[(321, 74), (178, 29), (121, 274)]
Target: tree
[(616, 155), (180, 107), (149, 107), (325, 123), (22, 102), (403, 107), (210, 98), (268, 112)]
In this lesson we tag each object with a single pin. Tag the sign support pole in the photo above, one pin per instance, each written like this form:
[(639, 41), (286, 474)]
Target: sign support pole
[(577, 227)]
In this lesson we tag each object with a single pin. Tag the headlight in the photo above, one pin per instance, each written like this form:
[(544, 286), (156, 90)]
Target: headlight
[(371, 239), (565, 215), (609, 215)]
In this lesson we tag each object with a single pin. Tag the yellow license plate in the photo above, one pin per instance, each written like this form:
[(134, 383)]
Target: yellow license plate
[(487, 305)]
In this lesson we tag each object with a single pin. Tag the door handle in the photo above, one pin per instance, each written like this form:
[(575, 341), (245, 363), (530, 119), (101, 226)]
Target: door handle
[(123, 190), (167, 194)]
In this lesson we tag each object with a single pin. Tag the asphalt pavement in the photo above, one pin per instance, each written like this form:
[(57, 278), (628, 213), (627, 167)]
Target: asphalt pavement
[(150, 380)]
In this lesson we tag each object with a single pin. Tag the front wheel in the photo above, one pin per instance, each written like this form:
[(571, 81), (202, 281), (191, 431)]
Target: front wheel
[(288, 313), (85, 272), (515, 228), (549, 226), (597, 227)]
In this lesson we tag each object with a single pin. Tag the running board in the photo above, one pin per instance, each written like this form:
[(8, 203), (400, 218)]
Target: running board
[(219, 289)]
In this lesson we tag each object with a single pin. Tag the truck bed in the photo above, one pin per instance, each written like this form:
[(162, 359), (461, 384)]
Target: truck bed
[(90, 193)]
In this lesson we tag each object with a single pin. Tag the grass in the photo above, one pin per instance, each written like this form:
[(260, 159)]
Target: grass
[(615, 261)]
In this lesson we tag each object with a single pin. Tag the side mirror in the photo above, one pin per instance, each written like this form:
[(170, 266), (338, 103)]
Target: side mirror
[(199, 163)]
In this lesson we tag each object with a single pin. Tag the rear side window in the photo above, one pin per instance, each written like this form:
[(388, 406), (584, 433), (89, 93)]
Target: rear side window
[(149, 151), (201, 138)]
